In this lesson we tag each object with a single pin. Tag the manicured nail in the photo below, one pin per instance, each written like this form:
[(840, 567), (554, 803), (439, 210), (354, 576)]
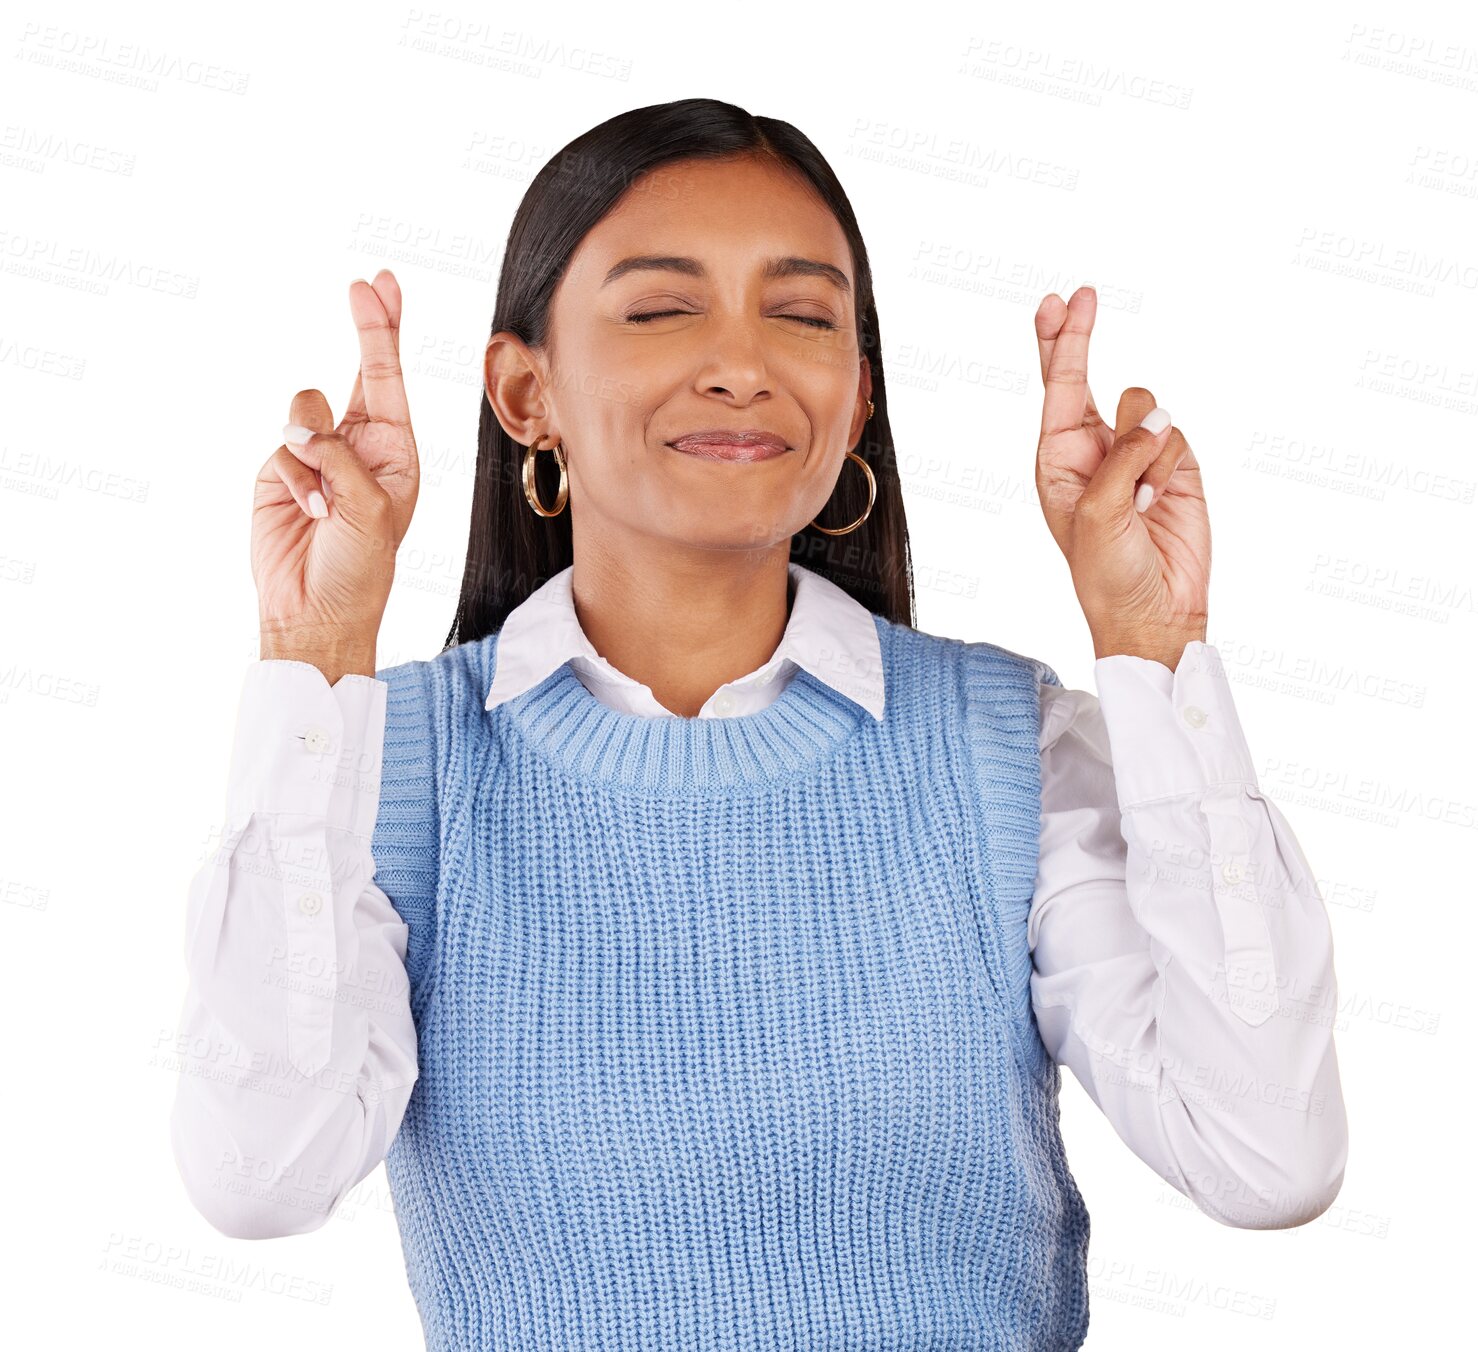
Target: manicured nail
[(295, 435), (316, 505), (1142, 496), (1156, 420)]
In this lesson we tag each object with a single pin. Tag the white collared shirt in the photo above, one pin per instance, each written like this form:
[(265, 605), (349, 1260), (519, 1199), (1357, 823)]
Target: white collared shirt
[(828, 633), (1195, 1004)]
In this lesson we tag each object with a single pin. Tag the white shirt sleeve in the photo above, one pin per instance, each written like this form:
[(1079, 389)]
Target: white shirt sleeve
[(296, 1044), (1182, 954)]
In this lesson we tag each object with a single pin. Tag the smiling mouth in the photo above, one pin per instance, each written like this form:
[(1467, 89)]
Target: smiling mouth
[(735, 447)]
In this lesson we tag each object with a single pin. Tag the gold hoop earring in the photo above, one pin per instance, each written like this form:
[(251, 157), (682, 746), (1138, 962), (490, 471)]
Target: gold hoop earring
[(530, 489), (872, 494), (869, 410)]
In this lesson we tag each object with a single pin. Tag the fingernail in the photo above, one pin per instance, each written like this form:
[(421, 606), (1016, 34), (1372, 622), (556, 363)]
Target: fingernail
[(295, 435), (1142, 496), (1156, 420), (316, 505)]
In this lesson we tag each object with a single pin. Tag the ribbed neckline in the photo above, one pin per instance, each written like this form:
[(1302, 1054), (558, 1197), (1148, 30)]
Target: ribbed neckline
[(565, 724)]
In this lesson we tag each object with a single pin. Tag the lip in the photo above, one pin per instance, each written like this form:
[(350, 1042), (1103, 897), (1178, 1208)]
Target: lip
[(718, 443)]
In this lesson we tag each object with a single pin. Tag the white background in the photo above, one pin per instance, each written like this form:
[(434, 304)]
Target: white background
[(1278, 206)]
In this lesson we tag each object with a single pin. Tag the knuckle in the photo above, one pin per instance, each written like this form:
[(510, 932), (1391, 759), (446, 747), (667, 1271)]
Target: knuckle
[(1066, 372), (1090, 507), (289, 463), (329, 446), (395, 430), (379, 517)]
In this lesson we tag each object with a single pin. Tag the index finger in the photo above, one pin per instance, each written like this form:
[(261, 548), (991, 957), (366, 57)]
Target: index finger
[(1065, 365), (380, 385)]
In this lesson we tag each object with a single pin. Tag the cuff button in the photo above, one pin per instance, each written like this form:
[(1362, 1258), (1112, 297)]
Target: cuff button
[(317, 740)]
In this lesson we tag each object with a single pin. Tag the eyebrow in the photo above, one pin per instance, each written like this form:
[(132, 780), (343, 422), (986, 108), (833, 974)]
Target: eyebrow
[(788, 266)]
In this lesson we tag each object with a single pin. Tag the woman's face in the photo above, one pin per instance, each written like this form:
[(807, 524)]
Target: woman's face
[(749, 282)]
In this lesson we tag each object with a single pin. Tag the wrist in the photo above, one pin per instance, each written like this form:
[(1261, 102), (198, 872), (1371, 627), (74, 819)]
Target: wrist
[(334, 653), (1166, 649)]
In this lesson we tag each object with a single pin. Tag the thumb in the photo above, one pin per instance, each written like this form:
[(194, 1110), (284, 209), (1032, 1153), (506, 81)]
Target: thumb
[(1111, 490), (349, 489)]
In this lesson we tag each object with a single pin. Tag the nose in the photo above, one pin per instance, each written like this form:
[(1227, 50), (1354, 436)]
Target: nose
[(734, 360)]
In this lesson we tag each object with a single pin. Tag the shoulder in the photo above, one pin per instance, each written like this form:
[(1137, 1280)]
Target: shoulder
[(443, 684), (978, 660)]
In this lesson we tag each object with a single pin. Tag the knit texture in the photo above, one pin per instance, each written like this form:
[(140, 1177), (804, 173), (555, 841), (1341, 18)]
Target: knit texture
[(725, 1030)]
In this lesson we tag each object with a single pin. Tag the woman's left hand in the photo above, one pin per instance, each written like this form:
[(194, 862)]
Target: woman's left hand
[(1142, 577)]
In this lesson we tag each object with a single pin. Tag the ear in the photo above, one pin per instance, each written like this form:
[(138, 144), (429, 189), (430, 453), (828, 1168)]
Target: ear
[(864, 393), (514, 382)]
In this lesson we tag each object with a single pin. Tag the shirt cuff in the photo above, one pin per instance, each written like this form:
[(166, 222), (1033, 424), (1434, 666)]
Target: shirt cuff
[(1171, 732), (303, 746)]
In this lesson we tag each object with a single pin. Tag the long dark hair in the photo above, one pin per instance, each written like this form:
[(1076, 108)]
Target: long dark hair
[(511, 551)]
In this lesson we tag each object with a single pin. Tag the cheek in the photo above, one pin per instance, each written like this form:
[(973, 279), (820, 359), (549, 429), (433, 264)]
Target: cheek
[(826, 381), (603, 385), (613, 410)]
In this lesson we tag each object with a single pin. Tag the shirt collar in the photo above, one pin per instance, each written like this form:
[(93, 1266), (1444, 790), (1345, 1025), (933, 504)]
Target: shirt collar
[(830, 634)]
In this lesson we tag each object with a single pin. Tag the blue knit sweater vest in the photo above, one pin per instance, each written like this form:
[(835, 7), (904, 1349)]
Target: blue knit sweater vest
[(725, 1026)]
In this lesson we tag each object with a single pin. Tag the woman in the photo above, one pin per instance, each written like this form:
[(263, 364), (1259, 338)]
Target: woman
[(726, 933)]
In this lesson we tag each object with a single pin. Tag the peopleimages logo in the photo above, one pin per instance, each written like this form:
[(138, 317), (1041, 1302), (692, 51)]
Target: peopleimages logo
[(122, 63)]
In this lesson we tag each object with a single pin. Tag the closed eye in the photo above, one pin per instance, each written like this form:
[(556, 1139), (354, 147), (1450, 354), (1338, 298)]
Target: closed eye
[(662, 314)]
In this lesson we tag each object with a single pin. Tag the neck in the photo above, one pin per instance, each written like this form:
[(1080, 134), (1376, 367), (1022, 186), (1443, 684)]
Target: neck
[(683, 622)]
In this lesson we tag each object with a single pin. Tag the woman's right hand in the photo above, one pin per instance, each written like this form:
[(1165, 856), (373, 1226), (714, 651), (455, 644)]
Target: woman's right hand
[(323, 579)]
